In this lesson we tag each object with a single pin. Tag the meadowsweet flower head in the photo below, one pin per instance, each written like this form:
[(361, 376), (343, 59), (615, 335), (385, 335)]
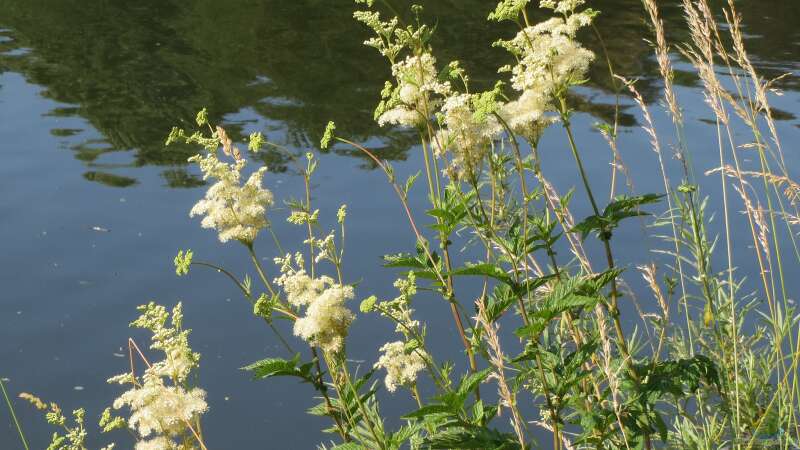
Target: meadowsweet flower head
[(161, 406), (182, 262), (399, 309), (401, 366), (108, 422), (526, 116), (202, 117), (562, 6), (74, 437), (327, 136), (160, 409), (300, 288), (467, 136), (326, 248), (549, 61), (255, 142), (411, 99), (172, 340), (508, 10), (327, 319), (549, 56), (341, 214), (407, 287), (157, 443), (385, 37), (236, 211), (302, 217)]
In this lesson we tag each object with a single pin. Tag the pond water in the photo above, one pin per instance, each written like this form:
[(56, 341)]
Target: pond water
[(93, 208)]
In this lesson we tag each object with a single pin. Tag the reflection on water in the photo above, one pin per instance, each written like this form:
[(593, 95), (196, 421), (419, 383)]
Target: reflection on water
[(134, 69)]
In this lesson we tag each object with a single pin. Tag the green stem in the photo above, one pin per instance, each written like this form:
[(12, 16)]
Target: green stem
[(13, 415), (258, 267), (605, 237), (324, 391)]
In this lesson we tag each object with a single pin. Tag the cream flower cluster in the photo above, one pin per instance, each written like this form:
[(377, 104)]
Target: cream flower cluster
[(562, 6), (327, 319), (526, 116), (161, 411), (550, 59), (157, 443), (173, 340), (384, 30), (409, 101), (236, 211), (301, 289), (402, 360), (465, 136), (401, 367)]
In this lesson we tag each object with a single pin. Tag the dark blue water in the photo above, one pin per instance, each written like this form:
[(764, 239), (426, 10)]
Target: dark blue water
[(93, 208)]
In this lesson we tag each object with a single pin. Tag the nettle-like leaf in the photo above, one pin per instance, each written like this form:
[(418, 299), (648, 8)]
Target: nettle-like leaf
[(455, 425), (486, 269), (450, 210), (620, 208), (349, 446), (452, 404), (404, 434), (279, 367), (496, 272), (404, 260), (471, 382), (542, 235), (570, 371), (351, 405), (598, 281), (419, 263), (435, 409), (498, 302), (471, 438), (567, 294), (676, 377), (410, 182)]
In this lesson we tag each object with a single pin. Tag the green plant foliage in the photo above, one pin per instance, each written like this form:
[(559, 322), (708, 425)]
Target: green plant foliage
[(621, 208)]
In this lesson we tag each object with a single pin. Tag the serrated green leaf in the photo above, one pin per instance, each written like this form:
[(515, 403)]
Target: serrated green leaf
[(275, 367), (472, 381), (403, 260), (428, 410)]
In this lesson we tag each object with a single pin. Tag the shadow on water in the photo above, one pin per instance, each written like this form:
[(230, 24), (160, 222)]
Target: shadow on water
[(134, 69)]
